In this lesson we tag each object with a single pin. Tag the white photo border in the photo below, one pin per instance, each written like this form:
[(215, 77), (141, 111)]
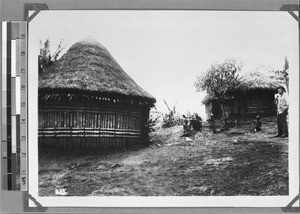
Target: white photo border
[(157, 201)]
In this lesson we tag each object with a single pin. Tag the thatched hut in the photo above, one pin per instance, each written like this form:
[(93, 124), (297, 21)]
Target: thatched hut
[(86, 100), (254, 96)]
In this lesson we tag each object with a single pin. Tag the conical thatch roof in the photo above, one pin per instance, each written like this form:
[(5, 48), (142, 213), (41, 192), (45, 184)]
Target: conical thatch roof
[(88, 67)]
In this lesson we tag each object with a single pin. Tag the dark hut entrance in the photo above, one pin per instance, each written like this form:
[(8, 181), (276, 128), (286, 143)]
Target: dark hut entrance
[(216, 109), (86, 100)]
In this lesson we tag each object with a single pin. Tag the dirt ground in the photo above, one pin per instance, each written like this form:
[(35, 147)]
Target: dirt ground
[(230, 163)]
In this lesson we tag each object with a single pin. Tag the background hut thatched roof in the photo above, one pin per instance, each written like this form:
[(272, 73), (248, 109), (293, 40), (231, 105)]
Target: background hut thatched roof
[(211, 96), (258, 81), (208, 98), (88, 66), (251, 81)]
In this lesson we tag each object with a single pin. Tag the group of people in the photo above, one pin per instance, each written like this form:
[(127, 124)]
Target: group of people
[(281, 101), (195, 122)]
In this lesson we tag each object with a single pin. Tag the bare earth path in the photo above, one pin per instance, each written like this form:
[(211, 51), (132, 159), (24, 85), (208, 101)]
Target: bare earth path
[(228, 163)]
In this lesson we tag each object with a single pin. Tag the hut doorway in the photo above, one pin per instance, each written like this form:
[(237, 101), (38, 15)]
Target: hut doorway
[(216, 109)]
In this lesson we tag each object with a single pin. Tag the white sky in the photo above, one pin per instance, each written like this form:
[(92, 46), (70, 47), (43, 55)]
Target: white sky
[(164, 51)]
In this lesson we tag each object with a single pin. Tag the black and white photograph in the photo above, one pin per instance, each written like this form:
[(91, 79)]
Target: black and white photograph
[(175, 108)]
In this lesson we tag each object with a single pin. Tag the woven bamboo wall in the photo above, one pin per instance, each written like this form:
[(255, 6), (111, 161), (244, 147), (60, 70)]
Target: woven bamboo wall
[(91, 125)]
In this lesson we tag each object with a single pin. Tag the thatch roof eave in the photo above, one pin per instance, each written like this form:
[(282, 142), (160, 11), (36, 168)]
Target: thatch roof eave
[(110, 95)]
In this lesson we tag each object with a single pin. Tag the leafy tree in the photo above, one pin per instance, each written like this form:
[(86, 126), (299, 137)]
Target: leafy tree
[(220, 79), (45, 59)]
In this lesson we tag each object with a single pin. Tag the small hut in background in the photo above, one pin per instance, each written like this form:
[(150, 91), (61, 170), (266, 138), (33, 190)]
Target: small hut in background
[(213, 106), (86, 100), (254, 96)]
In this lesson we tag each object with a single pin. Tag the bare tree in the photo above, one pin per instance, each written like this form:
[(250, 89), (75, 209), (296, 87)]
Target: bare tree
[(45, 59), (282, 76)]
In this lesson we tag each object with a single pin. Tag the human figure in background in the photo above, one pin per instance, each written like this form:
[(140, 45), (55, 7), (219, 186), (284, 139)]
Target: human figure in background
[(256, 125), (196, 122), (234, 119), (186, 127), (212, 123), (281, 101)]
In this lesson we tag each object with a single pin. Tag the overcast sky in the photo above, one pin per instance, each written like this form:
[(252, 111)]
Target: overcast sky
[(164, 51)]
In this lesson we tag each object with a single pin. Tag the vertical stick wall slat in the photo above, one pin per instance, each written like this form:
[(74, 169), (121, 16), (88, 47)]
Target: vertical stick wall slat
[(89, 126)]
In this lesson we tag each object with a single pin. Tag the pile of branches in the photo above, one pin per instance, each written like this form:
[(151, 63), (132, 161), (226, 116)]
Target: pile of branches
[(172, 118)]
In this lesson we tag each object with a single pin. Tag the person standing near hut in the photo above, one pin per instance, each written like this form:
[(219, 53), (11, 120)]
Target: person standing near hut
[(281, 100)]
